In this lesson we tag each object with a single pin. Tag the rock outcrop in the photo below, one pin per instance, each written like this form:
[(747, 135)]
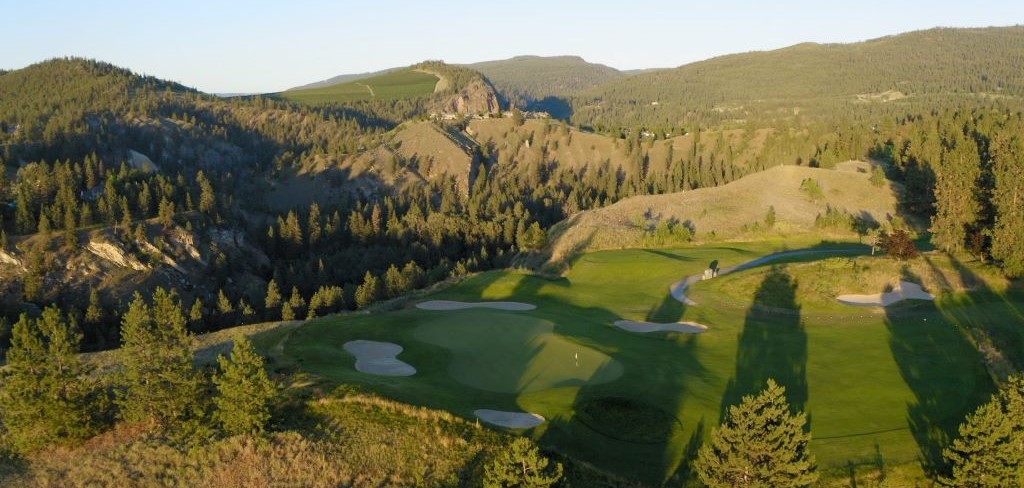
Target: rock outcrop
[(477, 97), (7, 258), (114, 254)]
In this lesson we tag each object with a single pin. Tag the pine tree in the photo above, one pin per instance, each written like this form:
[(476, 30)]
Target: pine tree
[(224, 305), (760, 444), (195, 313), (769, 218), (394, 283), (44, 397), (161, 387), (244, 391), (988, 452), (1008, 198), (296, 301), (314, 227), (207, 197), (273, 299), (165, 213), (521, 464), (94, 312), (368, 292), (956, 201), (287, 312)]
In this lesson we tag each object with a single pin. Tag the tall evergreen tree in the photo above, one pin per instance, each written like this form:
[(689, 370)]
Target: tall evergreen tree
[(207, 197), (1008, 235), (44, 397), (989, 451), (273, 299), (244, 391), (956, 197), (761, 443), (161, 386)]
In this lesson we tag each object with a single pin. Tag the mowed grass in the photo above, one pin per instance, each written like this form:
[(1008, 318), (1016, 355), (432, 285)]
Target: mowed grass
[(883, 392), (389, 86)]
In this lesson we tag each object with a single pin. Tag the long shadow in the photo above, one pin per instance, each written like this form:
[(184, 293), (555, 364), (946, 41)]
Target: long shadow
[(942, 369), (625, 423), (771, 345), (995, 325)]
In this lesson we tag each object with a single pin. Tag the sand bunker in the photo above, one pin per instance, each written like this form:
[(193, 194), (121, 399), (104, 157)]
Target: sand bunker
[(645, 327), (379, 358), (511, 420), (905, 290), (453, 305)]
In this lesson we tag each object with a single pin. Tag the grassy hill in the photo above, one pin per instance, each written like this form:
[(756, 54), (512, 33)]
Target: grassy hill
[(387, 86), (730, 210), (337, 80), (533, 81), (806, 77)]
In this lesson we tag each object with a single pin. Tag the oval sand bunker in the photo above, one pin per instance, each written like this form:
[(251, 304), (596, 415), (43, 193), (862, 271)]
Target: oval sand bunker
[(645, 327), (906, 290), (379, 358), (511, 420), (454, 305)]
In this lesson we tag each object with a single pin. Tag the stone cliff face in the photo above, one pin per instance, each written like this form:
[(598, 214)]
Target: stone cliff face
[(477, 97)]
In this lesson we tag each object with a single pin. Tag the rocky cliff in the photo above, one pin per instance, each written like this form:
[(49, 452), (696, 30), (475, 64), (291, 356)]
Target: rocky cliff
[(476, 97)]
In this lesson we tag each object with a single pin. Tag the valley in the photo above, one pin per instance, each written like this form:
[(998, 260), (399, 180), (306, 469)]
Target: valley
[(422, 275)]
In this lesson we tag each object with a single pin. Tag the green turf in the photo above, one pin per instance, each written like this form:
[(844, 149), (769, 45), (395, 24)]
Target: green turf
[(389, 86), (884, 390), (511, 354)]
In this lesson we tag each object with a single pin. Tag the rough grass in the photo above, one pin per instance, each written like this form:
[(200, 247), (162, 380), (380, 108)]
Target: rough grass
[(876, 386), (359, 440), (389, 86), (722, 212)]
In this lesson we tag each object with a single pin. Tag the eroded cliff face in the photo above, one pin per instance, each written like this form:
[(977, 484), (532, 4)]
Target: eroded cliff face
[(477, 97)]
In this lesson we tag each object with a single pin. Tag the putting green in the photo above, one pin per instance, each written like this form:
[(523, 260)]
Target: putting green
[(514, 353)]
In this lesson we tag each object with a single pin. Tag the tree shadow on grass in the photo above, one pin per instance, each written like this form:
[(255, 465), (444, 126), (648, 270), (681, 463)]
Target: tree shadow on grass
[(773, 344), (627, 425), (943, 370)]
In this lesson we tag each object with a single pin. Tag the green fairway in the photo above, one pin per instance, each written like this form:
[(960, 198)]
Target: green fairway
[(389, 86), (881, 390)]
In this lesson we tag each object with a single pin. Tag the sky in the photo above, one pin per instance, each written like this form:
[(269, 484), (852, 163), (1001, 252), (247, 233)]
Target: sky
[(264, 46)]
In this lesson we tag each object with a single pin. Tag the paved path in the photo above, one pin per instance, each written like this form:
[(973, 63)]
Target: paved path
[(678, 289), (368, 87)]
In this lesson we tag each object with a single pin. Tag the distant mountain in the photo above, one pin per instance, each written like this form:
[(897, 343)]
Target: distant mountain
[(417, 90), (814, 78), (541, 83)]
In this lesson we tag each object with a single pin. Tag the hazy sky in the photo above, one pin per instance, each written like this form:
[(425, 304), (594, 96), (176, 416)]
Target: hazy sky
[(261, 46)]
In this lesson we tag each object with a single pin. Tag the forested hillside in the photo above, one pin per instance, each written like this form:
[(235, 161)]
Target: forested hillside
[(866, 80), (541, 83)]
